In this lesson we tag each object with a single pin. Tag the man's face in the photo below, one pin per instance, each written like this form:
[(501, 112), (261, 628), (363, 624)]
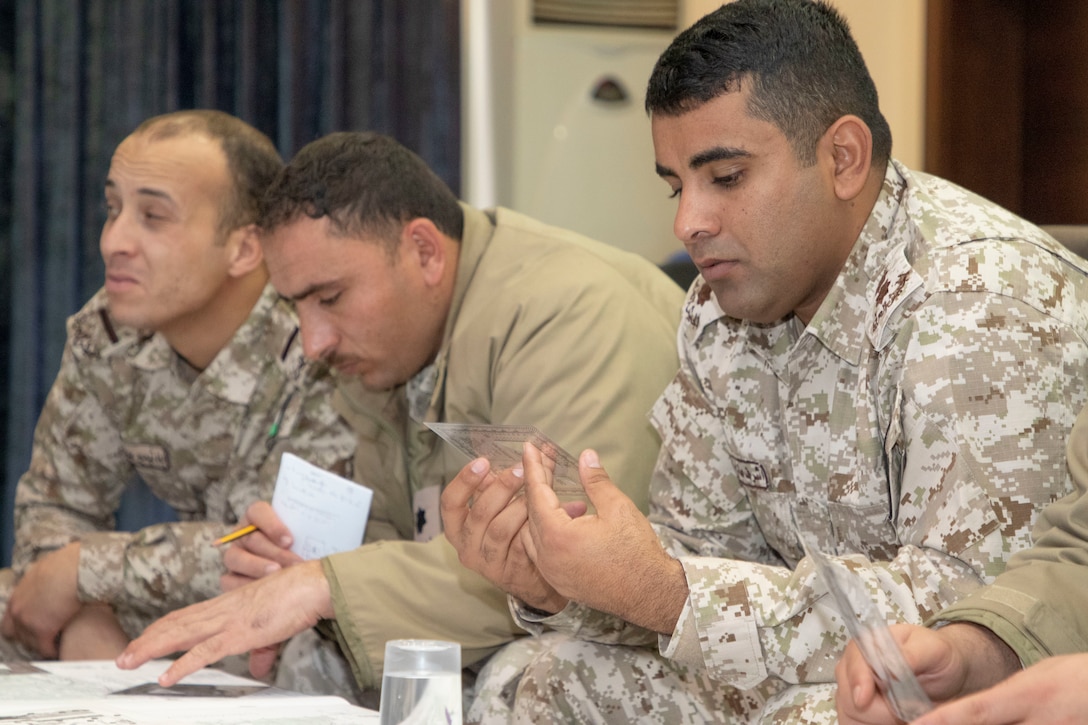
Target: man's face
[(165, 261), (364, 311), (761, 228)]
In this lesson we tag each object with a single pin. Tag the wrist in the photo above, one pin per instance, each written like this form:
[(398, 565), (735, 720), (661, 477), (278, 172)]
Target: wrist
[(68, 559), (545, 606), (664, 594), (317, 580), (986, 658)]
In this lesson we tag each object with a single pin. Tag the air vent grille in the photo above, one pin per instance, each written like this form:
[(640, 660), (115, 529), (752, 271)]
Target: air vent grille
[(620, 13)]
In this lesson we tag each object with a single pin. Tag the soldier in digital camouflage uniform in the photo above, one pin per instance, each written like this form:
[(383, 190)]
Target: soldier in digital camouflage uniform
[(1029, 625), (875, 356), (186, 370)]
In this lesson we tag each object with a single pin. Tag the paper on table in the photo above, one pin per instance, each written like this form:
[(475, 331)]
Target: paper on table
[(88, 679), (86, 693), (326, 513)]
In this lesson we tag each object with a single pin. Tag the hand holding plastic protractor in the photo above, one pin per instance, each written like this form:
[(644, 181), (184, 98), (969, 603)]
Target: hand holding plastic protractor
[(896, 679), (502, 446)]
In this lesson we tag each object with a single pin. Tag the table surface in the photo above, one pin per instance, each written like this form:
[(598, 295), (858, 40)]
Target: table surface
[(98, 693)]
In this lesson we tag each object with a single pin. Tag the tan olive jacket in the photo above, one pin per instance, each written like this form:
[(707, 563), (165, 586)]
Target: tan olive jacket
[(1039, 604), (546, 328)]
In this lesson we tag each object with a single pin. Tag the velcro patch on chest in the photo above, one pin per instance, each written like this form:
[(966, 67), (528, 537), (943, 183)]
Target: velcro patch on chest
[(751, 473), (146, 455)]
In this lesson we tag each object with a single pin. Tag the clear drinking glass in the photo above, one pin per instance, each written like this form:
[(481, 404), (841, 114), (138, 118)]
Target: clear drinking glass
[(421, 683)]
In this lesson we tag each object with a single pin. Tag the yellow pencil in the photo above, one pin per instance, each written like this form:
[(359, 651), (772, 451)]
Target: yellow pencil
[(236, 534)]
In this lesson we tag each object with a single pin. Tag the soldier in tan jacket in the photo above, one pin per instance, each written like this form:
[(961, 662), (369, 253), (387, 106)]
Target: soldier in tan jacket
[(431, 310)]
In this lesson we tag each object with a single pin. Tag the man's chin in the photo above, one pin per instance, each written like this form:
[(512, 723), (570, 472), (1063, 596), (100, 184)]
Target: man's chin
[(728, 299), (126, 316), (375, 385), (748, 310)]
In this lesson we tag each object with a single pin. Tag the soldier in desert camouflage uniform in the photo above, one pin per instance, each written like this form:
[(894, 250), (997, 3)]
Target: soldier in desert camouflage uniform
[(186, 370), (1029, 625), (876, 356)]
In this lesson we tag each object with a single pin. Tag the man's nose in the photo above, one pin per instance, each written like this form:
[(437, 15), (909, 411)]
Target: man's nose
[(319, 337), (118, 236), (694, 219)]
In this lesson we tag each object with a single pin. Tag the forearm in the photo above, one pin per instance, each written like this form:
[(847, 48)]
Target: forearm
[(753, 620), (656, 596), (584, 623), (155, 570), (41, 529), (77, 471), (652, 602), (57, 502)]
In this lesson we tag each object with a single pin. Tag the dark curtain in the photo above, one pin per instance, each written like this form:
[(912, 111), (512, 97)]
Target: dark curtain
[(76, 76)]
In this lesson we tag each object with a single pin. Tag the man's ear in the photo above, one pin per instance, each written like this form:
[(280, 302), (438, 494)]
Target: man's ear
[(851, 146), (246, 253), (425, 245)]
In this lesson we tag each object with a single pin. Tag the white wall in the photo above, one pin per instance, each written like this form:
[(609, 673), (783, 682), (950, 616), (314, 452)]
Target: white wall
[(891, 36), (536, 140)]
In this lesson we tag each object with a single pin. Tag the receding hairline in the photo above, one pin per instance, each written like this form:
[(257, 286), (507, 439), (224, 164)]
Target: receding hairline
[(221, 190), (186, 126), (220, 153), (216, 125)]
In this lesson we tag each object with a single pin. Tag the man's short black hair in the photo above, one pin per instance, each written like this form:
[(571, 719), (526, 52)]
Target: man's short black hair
[(365, 183), (798, 57)]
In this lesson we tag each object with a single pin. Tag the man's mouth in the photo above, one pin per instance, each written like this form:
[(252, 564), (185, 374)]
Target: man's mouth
[(119, 280), (713, 269)]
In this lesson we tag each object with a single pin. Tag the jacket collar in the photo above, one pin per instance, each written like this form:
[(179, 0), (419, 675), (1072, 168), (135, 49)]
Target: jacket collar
[(843, 320), (235, 371), (479, 228)]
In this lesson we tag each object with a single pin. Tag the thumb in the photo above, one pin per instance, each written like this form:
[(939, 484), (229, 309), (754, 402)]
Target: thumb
[(595, 480), (262, 659)]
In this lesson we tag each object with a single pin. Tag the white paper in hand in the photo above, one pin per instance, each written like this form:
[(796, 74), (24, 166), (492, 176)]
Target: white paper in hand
[(326, 513)]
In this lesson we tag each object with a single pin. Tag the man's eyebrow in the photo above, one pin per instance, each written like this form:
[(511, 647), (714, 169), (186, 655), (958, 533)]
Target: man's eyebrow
[(718, 153), (143, 190), (157, 193), (313, 289)]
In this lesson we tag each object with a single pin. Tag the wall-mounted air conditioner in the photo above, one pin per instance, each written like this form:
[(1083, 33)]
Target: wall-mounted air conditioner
[(554, 124)]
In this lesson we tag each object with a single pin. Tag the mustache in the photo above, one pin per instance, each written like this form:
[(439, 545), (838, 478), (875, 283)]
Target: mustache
[(119, 266), (336, 360)]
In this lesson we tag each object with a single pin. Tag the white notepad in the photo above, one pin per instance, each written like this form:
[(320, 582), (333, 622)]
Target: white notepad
[(326, 513)]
